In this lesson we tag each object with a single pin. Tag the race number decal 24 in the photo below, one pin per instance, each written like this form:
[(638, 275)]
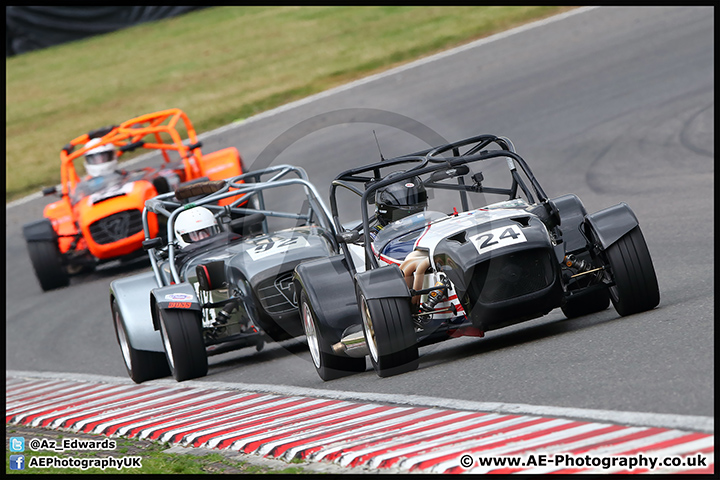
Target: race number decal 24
[(498, 237)]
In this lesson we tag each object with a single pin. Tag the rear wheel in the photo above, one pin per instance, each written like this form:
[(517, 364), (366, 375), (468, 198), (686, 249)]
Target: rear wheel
[(327, 365), (636, 287), (390, 334), (141, 365), (47, 263), (182, 337), (586, 304)]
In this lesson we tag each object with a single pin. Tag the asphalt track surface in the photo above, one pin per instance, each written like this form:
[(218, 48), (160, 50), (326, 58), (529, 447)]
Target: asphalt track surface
[(614, 104)]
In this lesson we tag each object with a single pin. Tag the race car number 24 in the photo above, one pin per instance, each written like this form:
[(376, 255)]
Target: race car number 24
[(498, 237)]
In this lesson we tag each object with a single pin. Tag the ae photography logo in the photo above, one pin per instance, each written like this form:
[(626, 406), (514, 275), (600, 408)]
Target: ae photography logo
[(20, 462)]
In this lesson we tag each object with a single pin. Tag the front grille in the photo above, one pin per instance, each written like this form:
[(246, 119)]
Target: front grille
[(511, 276), (277, 295), (116, 226)]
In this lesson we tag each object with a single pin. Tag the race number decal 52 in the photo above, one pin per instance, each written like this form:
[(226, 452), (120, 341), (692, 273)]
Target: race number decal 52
[(498, 237), (274, 247)]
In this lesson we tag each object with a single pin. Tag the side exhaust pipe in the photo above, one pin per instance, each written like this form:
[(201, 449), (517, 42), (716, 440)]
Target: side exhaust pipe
[(352, 343)]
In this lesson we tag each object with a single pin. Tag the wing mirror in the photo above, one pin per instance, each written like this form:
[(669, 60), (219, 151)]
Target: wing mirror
[(151, 243)]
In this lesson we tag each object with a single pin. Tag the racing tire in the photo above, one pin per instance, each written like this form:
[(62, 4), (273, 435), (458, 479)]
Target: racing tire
[(636, 286), (141, 365), (390, 334), (181, 332), (47, 263), (586, 304), (327, 365)]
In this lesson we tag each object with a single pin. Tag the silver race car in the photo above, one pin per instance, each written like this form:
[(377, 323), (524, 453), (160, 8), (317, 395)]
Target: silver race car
[(222, 271)]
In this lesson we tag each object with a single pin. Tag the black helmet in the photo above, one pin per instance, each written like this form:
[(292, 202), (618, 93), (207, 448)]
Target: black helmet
[(398, 200)]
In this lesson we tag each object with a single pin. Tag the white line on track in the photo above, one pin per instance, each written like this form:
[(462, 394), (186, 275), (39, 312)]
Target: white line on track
[(351, 85), (659, 420)]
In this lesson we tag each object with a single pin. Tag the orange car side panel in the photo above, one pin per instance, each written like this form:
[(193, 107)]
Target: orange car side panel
[(221, 164), (60, 215), (88, 213)]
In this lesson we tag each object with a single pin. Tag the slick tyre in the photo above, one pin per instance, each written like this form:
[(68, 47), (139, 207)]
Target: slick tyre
[(636, 286), (327, 365), (592, 302), (390, 334), (141, 365), (47, 263), (181, 332)]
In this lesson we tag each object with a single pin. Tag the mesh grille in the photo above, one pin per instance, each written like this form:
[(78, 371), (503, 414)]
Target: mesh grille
[(116, 226), (277, 295), (511, 276)]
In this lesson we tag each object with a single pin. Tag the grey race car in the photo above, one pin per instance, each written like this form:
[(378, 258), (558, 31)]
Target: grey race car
[(432, 274), (226, 292)]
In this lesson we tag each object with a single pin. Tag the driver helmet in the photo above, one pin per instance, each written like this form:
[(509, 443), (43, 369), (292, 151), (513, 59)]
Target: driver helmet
[(399, 200), (194, 225), (100, 160)]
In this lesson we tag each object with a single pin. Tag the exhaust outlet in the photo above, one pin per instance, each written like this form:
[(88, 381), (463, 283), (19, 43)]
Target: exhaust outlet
[(352, 343)]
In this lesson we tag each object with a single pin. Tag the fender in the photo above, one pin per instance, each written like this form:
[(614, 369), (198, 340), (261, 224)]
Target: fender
[(39, 231), (173, 297), (132, 299), (382, 282), (610, 224), (331, 291)]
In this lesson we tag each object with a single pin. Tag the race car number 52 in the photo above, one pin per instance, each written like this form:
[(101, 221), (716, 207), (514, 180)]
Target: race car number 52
[(498, 237), (274, 247)]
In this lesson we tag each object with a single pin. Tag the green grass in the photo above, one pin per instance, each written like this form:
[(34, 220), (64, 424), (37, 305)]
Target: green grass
[(219, 65), (154, 460)]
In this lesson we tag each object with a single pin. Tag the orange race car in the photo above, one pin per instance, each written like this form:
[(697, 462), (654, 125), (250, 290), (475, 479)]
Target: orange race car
[(99, 216)]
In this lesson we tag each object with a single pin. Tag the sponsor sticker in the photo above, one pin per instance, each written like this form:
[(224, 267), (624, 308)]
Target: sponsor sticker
[(178, 296), (179, 305)]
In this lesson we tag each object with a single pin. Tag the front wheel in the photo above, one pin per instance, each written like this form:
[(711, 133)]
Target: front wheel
[(181, 332), (636, 286), (390, 334), (47, 263), (327, 365), (141, 365)]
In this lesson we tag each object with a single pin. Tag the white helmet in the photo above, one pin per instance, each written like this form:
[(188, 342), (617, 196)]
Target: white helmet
[(194, 225), (101, 160)]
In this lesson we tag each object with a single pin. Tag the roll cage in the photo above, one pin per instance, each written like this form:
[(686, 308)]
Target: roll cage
[(163, 132), (249, 188), (431, 162)]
